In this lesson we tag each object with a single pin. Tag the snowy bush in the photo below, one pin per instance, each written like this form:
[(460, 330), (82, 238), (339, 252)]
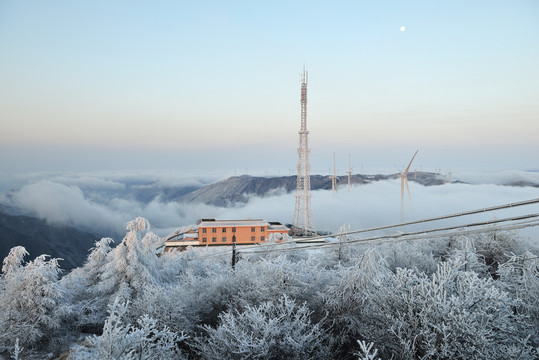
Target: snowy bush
[(169, 306), (125, 341), (453, 314), (30, 300), (417, 255), (394, 297), (464, 253), (520, 277), (349, 301), (273, 330), (366, 351), (496, 246)]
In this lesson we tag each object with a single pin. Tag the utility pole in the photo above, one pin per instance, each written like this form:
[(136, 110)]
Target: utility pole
[(303, 218), (233, 252)]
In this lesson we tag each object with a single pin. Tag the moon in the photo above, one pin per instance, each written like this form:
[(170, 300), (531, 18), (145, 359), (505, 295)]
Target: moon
[(403, 28)]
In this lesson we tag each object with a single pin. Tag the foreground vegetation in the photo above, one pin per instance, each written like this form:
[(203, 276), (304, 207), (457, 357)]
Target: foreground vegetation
[(454, 298)]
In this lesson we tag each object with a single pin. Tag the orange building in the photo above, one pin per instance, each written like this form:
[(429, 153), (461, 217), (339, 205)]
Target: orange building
[(250, 231)]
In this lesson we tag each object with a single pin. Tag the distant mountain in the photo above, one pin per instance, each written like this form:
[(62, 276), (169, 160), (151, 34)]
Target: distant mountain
[(238, 189), (523, 184), (39, 238)]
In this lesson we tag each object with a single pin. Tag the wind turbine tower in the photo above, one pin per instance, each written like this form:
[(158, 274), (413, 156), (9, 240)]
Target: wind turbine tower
[(334, 177), (349, 172), (303, 217), (404, 181)]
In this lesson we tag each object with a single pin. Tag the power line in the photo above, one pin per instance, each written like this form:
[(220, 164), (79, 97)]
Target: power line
[(260, 247), (471, 212), (458, 230), (398, 237)]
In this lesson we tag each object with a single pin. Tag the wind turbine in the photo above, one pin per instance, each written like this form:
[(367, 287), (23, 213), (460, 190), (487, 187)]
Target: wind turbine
[(404, 180)]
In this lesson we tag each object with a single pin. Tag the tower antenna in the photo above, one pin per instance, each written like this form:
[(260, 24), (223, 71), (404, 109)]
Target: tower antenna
[(303, 218)]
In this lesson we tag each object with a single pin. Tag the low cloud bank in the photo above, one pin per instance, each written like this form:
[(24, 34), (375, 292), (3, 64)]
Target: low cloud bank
[(496, 177), (379, 203), (99, 204)]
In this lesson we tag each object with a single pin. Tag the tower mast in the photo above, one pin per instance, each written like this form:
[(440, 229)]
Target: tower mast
[(303, 218)]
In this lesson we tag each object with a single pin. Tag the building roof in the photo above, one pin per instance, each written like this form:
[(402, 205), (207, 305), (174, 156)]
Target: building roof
[(233, 223), (277, 227)]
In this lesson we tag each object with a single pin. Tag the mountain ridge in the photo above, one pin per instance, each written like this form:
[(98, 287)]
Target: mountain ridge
[(237, 189)]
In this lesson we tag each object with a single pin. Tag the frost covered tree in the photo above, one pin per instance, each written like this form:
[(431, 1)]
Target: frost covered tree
[(123, 341), (30, 300), (273, 330), (340, 250), (133, 264), (88, 302), (123, 271)]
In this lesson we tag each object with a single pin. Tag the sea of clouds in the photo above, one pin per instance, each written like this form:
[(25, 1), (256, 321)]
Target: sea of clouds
[(103, 203)]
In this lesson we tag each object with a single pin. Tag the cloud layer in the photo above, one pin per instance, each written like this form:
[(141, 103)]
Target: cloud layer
[(104, 204)]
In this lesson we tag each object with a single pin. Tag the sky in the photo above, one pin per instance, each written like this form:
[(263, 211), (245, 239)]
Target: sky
[(183, 85)]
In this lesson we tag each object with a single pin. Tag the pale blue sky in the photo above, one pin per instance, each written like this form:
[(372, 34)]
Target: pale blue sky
[(101, 85)]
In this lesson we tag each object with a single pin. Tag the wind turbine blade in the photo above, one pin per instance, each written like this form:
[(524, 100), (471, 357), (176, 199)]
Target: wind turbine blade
[(408, 168), (402, 188), (407, 188)]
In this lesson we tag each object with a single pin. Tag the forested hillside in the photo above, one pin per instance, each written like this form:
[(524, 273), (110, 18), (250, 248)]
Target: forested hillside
[(466, 297), (38, 237)]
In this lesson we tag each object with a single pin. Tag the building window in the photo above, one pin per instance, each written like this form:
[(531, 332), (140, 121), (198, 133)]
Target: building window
[(224, 230), (252, 229), (262, 229), (253, 238), (233, 229), (213, 230), (224, 238), (262, 238), (203, 230), (204, 240), (214, 239)]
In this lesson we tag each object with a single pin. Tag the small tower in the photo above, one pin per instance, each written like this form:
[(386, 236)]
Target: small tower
[(303, 218)]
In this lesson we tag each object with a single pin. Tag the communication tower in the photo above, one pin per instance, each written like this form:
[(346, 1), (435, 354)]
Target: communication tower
[(303, 217)]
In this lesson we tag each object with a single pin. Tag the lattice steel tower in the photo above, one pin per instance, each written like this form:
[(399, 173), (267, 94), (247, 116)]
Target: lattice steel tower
[(303, 217)]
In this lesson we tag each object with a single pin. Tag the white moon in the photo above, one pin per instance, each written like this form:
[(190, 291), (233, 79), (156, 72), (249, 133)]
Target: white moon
[(403, 28)]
